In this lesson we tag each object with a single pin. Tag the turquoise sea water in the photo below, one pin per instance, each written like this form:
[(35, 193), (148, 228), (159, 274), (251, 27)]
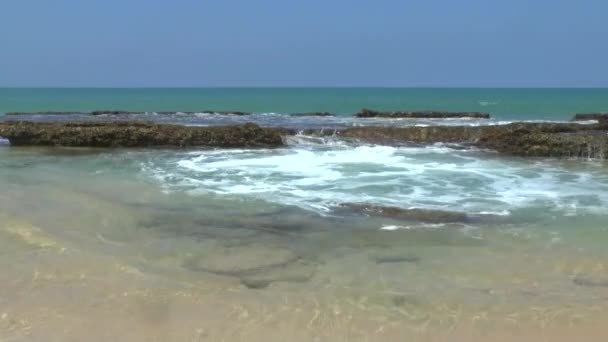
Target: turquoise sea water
[(253, 244), (505, 104)]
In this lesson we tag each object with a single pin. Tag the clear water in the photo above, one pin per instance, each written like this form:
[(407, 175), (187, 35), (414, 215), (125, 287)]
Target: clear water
[(250, 244)]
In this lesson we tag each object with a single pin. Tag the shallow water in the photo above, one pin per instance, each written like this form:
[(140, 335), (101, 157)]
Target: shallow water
[(157, 245)]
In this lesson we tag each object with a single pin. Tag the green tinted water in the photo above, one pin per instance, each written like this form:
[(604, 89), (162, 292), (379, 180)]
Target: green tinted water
[(507, 104)]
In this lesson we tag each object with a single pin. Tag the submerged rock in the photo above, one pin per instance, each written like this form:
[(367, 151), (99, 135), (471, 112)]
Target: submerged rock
[(299, 271), (368, 113), (312, 114), (390, 259), (590, 116), (242, 261), (415, 214), (590, 282), (137, 134)]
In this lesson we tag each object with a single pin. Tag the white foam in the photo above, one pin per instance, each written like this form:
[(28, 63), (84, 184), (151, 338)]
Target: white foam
[(317, 175)]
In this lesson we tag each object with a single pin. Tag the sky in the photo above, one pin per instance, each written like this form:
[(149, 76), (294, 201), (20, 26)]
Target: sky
[(391, 43)]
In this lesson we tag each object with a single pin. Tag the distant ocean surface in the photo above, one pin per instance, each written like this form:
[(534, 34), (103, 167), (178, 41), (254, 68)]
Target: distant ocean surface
[(503, 104)]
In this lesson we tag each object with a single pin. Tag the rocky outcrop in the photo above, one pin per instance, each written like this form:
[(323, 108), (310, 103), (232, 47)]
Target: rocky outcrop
[(137, 134), (312, 114), (519, 139), (415, 134), (122, 112), (45, 113), (125, 112), (546, 140), (590, 116), (414, 214), (368, 113)]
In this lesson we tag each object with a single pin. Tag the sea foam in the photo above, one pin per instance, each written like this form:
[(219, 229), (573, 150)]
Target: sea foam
[(320, 173)]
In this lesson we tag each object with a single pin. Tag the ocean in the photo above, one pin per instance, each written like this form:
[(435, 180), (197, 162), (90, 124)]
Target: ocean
[(504, 104), (256, 244)]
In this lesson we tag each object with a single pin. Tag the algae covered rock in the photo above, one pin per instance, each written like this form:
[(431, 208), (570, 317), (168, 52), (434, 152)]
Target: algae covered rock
[(368, 113), (590, 116), (137, 134), (414, 214), (318, 114)]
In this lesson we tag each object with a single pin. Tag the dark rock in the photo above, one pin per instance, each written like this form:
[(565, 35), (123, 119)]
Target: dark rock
[(225, 112), (243, 261), (113, 112), (425, 135), (416, 214), (46, 113), (122, 112), (546, 140), (519, 139), (603, 123), (312, 114), (590, 116), (299, 271), (590, 282), (137, 134), (368, 113), (388, 259), (255, 284)]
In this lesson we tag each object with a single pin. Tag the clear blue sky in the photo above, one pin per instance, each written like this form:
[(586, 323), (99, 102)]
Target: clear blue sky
[(304, 43)]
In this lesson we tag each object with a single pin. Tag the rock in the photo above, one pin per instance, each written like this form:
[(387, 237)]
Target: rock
[(123, 112), (590, 116), (243, 261), (415, 134), (590, 282), (416, 214), (312, 114), (299, 271), (126, 112), (46, 113), (368, 113), (518, 139), (546, 140), (389, 259), (113, 112), (255, 284), (603, 123), (137, 134), (224, 112)]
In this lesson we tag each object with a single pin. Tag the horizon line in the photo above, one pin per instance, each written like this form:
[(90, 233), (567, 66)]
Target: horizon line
[(303, 87)]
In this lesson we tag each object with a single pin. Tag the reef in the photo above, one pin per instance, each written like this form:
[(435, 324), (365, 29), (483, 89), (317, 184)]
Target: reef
[(518, 139), (590, 116), (563, 140), (312, 114), (414, 214), (124, 112), (137, 134), (368, 113)]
